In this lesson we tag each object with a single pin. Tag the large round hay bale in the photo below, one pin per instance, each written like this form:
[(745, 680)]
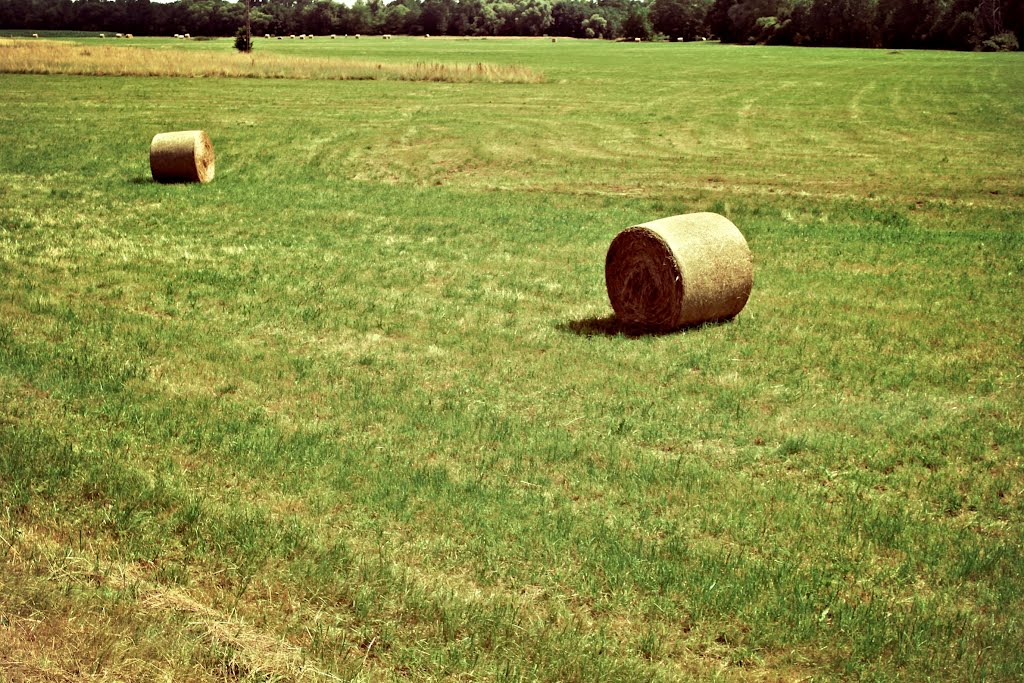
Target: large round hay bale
[(181, 157), (678, 271)]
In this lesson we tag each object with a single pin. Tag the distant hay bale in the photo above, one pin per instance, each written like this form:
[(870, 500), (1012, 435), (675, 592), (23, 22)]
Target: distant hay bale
[(427, 36), (357, 36), (103, 35), (266, 35), (128, 35), (181, 157), (333, 36), (386, 36), (678, 271), (636, 40), (187, 36), (119, 35), (35, 35)]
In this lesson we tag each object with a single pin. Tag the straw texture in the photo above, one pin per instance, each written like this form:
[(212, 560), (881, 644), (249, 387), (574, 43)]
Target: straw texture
[(679, 271), (181, 157)]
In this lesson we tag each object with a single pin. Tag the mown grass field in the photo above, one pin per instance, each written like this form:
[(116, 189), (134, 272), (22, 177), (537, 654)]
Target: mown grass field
[(358, 409)]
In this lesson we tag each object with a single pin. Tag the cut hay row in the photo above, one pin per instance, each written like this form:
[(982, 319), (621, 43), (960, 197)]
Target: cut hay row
[(58, 57)]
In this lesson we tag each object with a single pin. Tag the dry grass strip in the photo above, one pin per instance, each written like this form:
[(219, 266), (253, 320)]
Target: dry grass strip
[(57, 57)]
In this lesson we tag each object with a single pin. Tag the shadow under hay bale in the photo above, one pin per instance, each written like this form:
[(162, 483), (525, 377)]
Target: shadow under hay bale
[(181, 157), (679, 271), (612, 326)]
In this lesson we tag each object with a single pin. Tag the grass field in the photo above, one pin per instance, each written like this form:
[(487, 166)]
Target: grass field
[(358, 409)]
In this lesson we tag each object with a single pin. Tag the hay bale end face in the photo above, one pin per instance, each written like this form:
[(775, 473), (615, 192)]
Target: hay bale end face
[(181, 157), (678, 271)]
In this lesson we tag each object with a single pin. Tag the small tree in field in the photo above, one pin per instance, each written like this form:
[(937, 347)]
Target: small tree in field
[(243, 41), (243, 37)]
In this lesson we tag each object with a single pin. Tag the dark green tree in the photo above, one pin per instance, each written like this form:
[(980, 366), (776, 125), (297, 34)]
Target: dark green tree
[(637, 25), (680, 18)]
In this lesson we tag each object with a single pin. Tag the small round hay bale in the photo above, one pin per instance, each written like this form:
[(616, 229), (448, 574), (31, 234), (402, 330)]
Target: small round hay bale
[(636, 40), (188, 36), (128, 35), (103, 35), (181, 157), (678, 271), (333, 36), (35, 35)]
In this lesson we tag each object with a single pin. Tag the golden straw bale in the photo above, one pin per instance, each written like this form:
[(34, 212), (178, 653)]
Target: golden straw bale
[(679, 271), (181, 157)]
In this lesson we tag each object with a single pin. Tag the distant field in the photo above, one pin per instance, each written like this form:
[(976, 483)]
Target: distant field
[(358, 410)]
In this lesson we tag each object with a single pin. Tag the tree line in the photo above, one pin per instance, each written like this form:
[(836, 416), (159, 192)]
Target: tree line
[(938, 24)]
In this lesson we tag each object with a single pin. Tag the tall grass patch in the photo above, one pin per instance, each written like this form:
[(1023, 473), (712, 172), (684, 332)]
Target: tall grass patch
[(55, 57)]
